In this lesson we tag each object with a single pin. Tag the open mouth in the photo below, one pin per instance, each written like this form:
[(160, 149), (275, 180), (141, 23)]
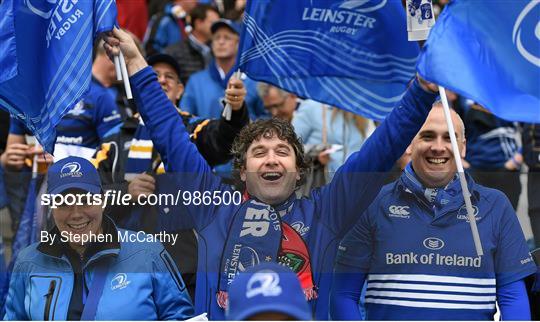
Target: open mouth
[(79, 226), (271, 176), (437, 160)]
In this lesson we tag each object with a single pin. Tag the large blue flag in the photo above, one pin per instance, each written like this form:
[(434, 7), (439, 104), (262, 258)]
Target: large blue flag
[(46, 58), (488, 51), (352, 54)]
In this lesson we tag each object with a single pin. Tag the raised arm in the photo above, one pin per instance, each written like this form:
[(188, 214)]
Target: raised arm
[(169, 135), (358, 181), (214, 138), (165, 126)]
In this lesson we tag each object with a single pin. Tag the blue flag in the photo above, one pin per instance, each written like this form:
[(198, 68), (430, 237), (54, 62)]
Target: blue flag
[(352, 54), (488, 51), (46, 58)]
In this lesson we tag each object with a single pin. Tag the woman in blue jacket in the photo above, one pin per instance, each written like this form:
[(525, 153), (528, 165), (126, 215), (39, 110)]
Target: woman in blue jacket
[(116, 275)]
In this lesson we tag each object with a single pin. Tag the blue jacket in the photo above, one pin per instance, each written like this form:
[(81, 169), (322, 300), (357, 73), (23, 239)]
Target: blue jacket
[(167, 31), (420, 256), (321, 220), (205, 91), (142, 283)]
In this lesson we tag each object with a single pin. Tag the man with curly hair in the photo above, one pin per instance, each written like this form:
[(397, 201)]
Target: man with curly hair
[(270, 224)]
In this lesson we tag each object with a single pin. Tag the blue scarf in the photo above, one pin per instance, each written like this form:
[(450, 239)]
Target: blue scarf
[(443, 199), (254, 236)]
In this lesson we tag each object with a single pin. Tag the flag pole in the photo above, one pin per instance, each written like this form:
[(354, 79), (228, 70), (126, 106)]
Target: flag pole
[(461, 173), (125, 76), (117, 68), (418, 29)]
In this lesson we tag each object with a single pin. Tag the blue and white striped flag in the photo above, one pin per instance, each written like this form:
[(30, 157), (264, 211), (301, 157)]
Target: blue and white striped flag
[(46, 58), (352, 54)]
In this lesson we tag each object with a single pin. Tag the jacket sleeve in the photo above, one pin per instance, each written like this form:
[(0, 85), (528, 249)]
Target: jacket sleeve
[(15, 298), (513, 302), (184, 163), (346, 293), (214, 138), (358, 181), (169, 291), (352, 265)]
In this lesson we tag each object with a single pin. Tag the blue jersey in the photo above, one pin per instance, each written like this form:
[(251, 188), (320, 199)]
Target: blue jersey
[(320, 220), (420, 256), (83, 128)]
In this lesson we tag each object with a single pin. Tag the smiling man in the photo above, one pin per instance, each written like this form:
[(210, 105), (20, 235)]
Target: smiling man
[(415, 249), (271, 224)]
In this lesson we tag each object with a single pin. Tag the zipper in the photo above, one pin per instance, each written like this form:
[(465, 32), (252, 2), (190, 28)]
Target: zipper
[(48, 300), (83, 278)]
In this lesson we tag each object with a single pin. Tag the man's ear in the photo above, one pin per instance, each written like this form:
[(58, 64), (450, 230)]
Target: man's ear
[(408, 151), (297, 174), (243, 174), (463, 151)]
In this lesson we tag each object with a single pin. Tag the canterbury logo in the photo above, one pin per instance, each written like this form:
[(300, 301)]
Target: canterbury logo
[(399, 210)]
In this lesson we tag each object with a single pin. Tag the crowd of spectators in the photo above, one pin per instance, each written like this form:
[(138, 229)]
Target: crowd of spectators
[(192, 47)]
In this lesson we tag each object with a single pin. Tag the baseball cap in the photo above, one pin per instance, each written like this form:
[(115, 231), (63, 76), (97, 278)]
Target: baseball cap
[(225, 23), (268, 287), (73, 173), (164, 58)]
